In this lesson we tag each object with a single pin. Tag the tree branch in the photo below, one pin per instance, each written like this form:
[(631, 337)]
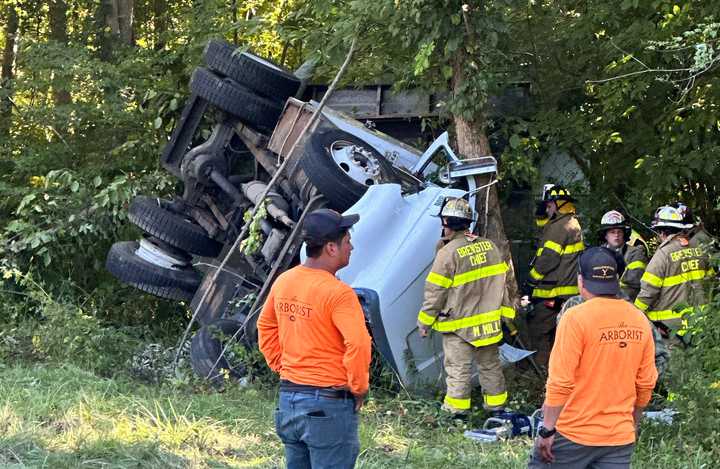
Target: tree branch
[(639, 72), (627, 53)]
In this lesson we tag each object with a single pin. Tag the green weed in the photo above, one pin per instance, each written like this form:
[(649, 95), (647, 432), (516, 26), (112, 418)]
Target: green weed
[(66, 417)]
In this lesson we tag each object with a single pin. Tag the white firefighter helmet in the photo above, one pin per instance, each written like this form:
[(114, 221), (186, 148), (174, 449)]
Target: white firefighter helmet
[(686, 212), (457, 207), (614, 219), (669, 217)]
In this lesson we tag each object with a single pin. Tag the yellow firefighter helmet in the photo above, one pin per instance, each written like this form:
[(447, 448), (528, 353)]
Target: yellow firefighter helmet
[(457, 207)]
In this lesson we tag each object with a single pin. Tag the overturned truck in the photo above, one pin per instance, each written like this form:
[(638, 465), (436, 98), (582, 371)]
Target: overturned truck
[(339, 163)]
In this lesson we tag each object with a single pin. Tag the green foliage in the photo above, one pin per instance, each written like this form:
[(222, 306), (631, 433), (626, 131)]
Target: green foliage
[(629, 94), (155, 363), (627, 91), (521, 153), (69, 168), (252, 360), (58, 236), (61, 213), (696, 377), (424, 44), (60, 331), (254, 239)]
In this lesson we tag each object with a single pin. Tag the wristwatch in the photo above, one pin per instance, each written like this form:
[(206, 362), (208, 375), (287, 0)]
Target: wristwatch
[(545, 433)]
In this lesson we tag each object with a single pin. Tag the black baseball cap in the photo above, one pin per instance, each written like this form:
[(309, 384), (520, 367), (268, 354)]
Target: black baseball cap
[(322, 225), (599, 270)]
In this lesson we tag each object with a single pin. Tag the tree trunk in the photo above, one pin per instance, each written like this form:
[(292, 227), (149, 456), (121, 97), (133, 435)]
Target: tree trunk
[(119, 18), (103, 40), (160, 22), (6, 72), (58, 33), (126, 12), (472, 142), (234, 6)]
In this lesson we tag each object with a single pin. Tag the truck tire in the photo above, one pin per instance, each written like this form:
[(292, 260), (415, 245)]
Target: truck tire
[(341, 181), (177, 283), (169, 293), (258, 74), (206, 346), (233, 98), (153, 216)]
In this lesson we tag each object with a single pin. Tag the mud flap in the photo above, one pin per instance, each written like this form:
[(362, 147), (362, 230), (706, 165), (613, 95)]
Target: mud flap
[(370, 303)]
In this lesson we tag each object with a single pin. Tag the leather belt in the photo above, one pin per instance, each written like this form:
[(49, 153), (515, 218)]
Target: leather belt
[(289, 386)]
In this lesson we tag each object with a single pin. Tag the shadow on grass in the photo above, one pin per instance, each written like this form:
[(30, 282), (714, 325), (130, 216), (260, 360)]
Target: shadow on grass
[(19, 452)]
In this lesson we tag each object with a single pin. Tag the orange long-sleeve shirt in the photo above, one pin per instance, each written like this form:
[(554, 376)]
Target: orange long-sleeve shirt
[(601, 366), (312, 331)]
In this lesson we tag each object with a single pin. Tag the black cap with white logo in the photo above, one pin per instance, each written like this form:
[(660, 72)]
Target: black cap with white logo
[(321, 226), (599, 270)]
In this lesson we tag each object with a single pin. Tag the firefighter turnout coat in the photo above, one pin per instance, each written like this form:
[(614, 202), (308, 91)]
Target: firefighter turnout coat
[(635, 263), (465, 290), (554, 270), (674, 276)]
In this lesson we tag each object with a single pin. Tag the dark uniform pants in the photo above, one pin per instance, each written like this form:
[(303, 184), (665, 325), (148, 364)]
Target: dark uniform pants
[(570, 455), (541, 330)]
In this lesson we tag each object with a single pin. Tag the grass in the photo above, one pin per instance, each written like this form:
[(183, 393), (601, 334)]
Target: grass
[(65, 417)]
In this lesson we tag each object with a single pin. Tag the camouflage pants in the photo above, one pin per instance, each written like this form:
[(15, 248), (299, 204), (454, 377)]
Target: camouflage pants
[(459, 358)]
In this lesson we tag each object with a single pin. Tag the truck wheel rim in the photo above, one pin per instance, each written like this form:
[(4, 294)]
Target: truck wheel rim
[(152, 253), (357, 162)]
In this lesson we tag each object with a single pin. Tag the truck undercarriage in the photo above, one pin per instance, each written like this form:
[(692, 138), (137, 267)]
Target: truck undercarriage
[(339, 163)]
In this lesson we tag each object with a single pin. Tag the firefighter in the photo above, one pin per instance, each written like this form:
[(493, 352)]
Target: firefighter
[(465, 300), (662, 355), (697, 233), (615, 234), (553, 273), (672, 285), (541, 215)]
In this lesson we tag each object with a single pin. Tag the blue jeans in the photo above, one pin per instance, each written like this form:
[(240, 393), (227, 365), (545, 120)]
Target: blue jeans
[(318, 432)]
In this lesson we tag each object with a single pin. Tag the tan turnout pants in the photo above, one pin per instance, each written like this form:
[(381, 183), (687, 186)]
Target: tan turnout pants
[(459, 357)]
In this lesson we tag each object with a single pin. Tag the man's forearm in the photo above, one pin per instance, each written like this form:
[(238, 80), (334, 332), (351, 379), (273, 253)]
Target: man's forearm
[(357, 363), (273, 357), (637, 415), (551, 415), (269, 345)]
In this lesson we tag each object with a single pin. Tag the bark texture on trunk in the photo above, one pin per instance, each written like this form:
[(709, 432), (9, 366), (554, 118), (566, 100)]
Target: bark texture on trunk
[(7, 70), (58, 32), (472, 142), (120, 18), (160, 22), (103, 39)]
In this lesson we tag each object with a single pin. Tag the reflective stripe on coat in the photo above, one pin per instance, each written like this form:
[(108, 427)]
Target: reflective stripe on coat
[(465, 290)]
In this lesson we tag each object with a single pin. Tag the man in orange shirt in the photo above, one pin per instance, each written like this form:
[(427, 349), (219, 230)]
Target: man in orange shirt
[(312, 331), (602, 373)]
